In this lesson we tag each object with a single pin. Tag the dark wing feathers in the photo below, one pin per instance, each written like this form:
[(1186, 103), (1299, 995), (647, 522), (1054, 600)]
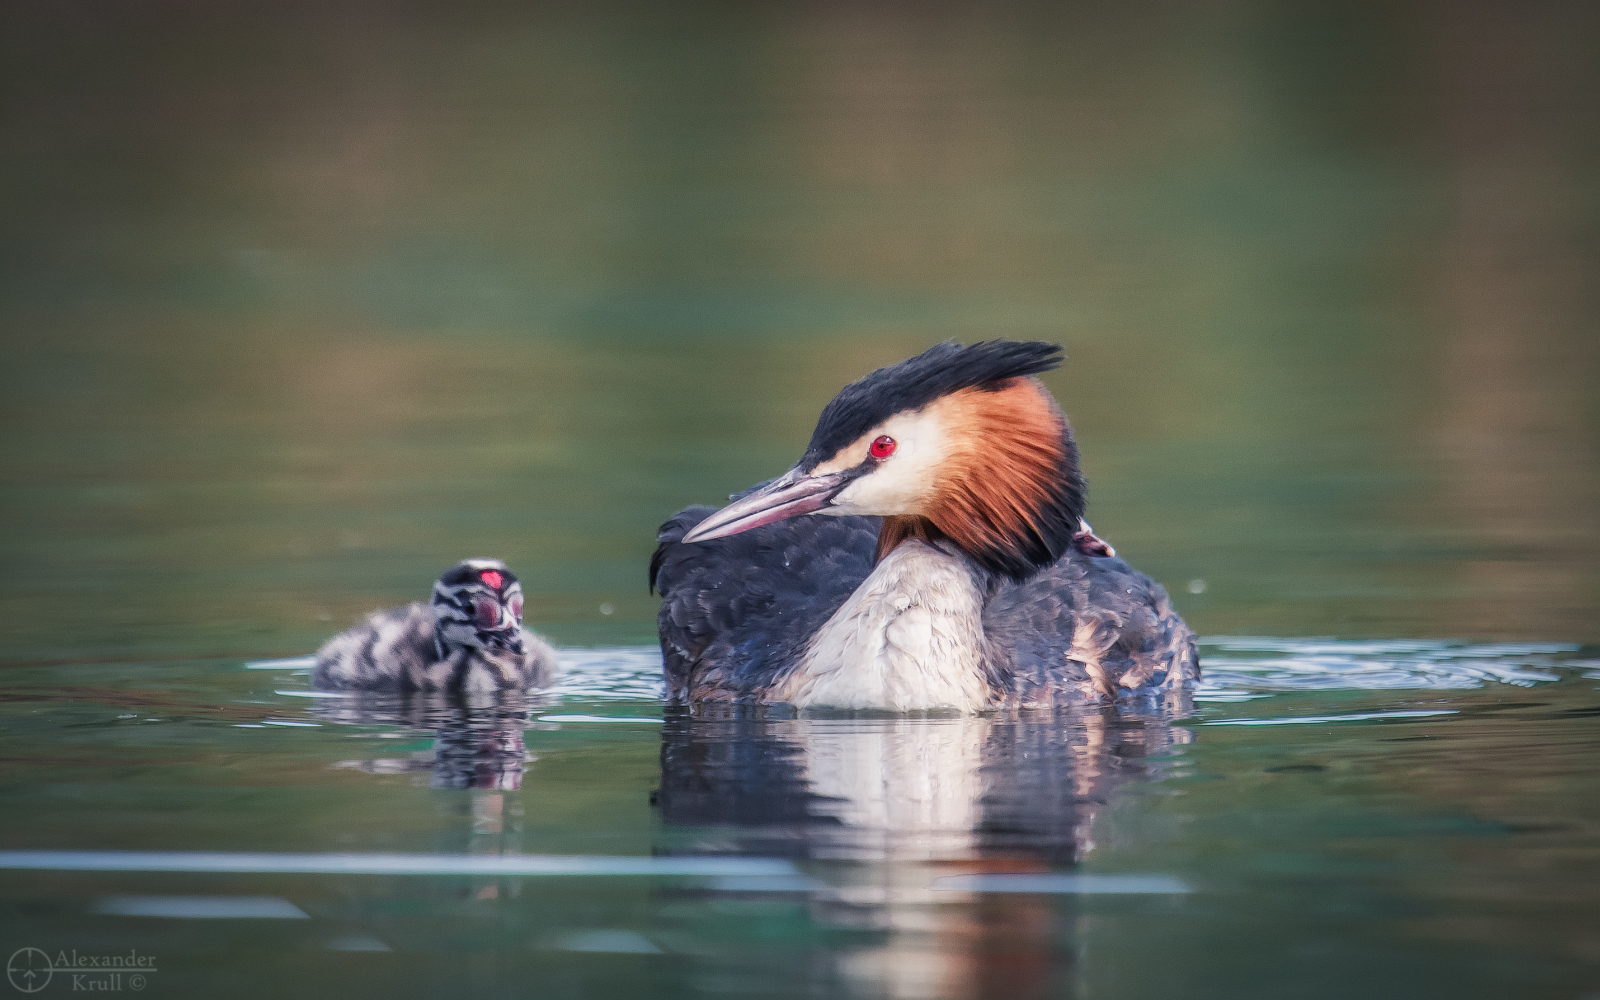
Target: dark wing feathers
[(1088, 624), (736, 610)]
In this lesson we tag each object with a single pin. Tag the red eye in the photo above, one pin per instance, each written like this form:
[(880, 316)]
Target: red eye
[(882, 446), (516, 608), (486, 612)]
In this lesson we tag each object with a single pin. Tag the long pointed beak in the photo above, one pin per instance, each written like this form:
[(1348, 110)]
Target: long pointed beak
[(792, 494)]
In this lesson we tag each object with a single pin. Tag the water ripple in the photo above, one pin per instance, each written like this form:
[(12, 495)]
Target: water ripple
[(1239, 668), (609, 673)]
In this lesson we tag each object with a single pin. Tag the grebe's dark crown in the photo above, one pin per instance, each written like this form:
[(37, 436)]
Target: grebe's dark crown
[(916, 382)]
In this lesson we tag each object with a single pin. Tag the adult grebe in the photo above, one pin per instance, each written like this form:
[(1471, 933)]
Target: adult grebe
[(956, 573), (469, 638)]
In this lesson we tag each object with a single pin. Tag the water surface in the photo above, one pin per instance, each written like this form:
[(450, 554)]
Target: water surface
[(301, 306), (1413, 817)]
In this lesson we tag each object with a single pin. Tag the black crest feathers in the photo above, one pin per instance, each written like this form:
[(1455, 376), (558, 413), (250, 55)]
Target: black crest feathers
[(916, 382)]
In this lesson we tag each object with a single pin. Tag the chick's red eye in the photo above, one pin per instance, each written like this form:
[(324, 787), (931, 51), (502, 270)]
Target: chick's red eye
[(882, 446)]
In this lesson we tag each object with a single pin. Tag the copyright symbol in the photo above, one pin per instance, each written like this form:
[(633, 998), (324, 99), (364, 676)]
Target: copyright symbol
[(136, 982)]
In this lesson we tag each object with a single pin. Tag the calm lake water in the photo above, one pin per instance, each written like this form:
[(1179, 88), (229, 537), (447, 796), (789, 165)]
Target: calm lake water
[(302, 306)]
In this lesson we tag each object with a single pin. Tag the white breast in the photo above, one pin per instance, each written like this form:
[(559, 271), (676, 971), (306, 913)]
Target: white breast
[(909, 639)]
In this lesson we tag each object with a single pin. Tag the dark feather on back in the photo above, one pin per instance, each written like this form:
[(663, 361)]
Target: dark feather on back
[(1087, 609)]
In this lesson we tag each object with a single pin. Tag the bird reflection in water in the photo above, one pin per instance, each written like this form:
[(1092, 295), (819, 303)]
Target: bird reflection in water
[(897, 802), (477, 739), (477, 745)]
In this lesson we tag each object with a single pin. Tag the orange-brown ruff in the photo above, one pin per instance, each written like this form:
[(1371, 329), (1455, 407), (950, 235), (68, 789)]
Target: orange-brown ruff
[(1006, 456), (953, 571)]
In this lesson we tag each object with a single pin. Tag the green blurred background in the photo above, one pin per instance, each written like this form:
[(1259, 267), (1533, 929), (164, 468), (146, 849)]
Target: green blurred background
[(303, 302)]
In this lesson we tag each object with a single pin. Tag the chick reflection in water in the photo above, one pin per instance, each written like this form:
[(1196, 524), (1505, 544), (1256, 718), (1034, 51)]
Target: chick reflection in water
[(477, 739), (910, 800), (477, 745)]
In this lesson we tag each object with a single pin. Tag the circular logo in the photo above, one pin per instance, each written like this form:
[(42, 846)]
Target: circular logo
[(29, 970), (136, 982)]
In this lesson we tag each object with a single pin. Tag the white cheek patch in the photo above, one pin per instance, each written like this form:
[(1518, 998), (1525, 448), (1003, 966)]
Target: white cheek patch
[(902, 483)]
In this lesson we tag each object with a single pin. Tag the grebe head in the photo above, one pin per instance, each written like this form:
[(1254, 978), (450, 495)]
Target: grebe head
[(958, 442), (477, 603)]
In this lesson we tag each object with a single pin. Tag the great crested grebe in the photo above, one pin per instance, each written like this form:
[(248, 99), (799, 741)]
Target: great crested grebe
[(956, 573), (468, 638)]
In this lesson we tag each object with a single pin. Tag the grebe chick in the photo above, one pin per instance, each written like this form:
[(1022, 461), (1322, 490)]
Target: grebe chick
[(468, 638), (954, 571)]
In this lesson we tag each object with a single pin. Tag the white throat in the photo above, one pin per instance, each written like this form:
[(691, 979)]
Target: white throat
[(909, 639)]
